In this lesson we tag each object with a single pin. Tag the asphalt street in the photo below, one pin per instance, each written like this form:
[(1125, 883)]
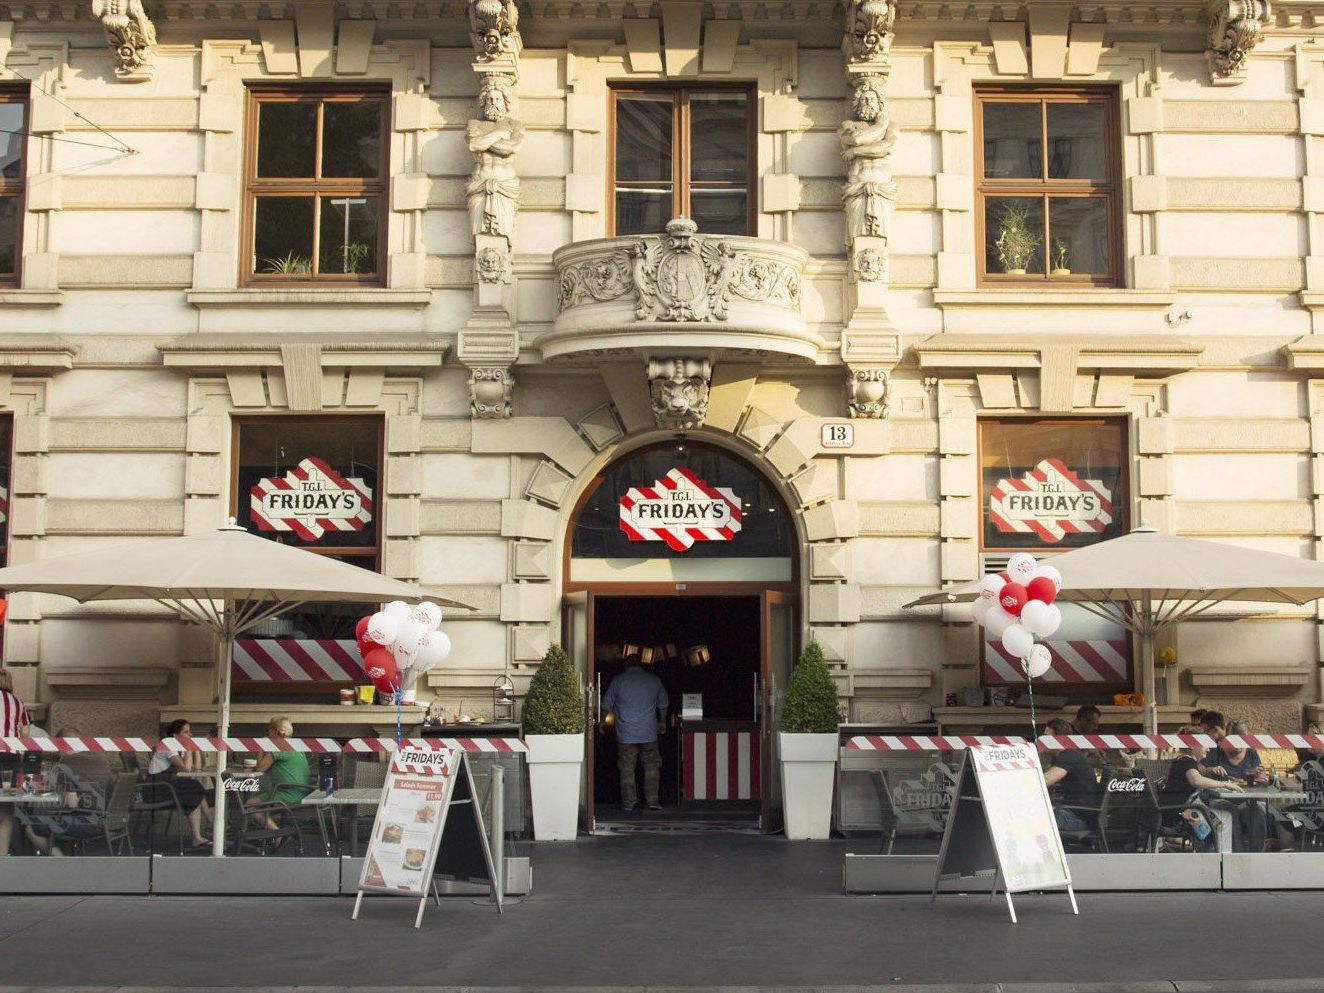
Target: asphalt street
[(658, 912)]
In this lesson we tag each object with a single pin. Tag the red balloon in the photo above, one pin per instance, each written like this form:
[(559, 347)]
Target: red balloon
[(361, 629), (1013, 597), (1006, 576), (379, 664), (4, 609), (1041, 588)]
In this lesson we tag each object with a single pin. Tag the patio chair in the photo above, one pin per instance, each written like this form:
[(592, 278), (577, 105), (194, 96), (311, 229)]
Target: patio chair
[(152, 797), (114, 820), (253, 836), (366, 775)]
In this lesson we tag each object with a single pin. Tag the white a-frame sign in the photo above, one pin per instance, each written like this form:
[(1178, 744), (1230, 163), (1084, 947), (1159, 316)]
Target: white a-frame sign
[(418, 832), (1002, 824)]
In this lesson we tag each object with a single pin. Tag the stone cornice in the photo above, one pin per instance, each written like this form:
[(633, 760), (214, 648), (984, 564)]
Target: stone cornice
[(1305, 353), (1119, 353), (36, 351), (221, 350)]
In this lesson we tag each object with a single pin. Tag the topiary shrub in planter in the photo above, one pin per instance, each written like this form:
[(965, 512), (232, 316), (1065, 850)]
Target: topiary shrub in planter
[(808, 742), (553, 719)]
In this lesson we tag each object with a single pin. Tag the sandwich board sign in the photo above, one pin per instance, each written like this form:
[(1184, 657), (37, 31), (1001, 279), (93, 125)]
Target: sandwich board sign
[(1002, 824), (428, 824)]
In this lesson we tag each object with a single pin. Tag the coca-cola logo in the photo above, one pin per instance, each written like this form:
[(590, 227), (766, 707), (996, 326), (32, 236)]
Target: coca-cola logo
[(243, 785), (1136, 785)]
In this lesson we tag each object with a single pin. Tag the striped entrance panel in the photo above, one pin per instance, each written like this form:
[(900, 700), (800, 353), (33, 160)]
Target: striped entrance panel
[(292, 660), (721, 765), (1083, 661)]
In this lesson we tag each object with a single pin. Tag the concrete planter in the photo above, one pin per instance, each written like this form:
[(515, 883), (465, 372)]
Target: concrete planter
[(809, 770), (556, 763)]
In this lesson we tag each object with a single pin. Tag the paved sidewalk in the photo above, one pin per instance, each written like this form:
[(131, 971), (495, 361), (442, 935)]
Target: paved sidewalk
[(658, 912)]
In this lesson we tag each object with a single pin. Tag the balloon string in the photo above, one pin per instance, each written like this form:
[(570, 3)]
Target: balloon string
[(1034, 726)]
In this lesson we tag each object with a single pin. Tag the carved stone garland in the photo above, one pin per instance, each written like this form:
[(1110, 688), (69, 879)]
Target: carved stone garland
[(489, 344), (131, 35), (1235, 27)]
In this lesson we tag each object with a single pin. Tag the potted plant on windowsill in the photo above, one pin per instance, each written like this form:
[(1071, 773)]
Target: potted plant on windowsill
[(1061, 258), (1016, 243), (808, 742), (554, 734)]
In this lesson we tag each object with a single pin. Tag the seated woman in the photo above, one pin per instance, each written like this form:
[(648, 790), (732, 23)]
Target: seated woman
[(164, 771), (84, 778), (1072, 782), (288, 776)]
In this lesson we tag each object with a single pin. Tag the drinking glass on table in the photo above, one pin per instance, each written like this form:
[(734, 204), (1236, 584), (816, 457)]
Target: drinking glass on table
[(7, 780)]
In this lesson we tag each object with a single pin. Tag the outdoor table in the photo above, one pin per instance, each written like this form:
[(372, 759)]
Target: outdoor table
[(17, 798), (1261, 795), (351, 797)]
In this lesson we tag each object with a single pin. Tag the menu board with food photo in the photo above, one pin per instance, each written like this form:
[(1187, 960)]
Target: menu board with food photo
[(407, 831)]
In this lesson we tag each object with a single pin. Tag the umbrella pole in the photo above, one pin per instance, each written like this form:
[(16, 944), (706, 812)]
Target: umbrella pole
[(1147, 663), (224, 659)]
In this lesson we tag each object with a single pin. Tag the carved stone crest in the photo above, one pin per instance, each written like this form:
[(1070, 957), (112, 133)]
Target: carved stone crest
[(869, 28), (494, 29), (866, 392), (682, 276), (1235, 27), (131, 35), (490, 390), (679, 389)]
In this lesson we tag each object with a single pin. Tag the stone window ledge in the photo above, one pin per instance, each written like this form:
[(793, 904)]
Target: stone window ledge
[(372, 297), (892, 684), (1250, 680), (30, 298), (83, 682), (1083, 297)]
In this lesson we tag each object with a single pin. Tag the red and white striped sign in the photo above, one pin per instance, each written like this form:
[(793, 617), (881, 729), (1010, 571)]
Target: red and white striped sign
[(1005, 758), (250, 745), (721, 765), (1075, 661), (925, 743), (71, 746), (361, 745), (292, 660), (1050, 501), (680, 509), (423, 761), (310, 500)]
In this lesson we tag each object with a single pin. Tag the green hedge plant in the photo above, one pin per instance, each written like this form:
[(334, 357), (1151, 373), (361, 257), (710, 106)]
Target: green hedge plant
[(810, 703), (555, 704)]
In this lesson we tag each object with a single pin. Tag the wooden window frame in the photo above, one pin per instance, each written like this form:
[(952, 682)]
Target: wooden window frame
[(680, 152), (17, 189), (318, 188), (1108, 189)]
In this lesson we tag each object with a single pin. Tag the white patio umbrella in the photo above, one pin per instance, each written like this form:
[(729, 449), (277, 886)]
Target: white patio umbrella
[(227, 580), (1145, 581)]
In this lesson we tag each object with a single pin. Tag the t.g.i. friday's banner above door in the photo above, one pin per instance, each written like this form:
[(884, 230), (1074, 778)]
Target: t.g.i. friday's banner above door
[(310, 500), (680, 509), (1050, 501)]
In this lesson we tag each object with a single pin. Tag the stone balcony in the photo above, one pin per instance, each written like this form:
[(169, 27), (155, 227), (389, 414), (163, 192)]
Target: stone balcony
[(682, 291)]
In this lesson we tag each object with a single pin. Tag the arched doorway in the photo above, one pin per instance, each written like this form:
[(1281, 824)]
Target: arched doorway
[(685, 553)]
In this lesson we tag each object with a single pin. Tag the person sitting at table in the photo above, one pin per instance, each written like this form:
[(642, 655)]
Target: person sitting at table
[(1184, 778), (84, 778), (287, 774), (1071, 782), (1214, 725), (163, 771), (1239, 763)]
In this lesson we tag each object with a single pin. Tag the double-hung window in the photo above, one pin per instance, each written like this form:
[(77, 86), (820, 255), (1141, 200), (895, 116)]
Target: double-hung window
[(13, 144), (1047, 186), (318, 163), (683, 152)]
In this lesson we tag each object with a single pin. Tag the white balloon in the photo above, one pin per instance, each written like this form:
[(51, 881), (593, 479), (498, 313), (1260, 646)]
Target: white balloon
[(1051, 573), (1038, 662), (1021, 567), (1017, 641), (398, 609), (979, 610), (382, 628), (429, 614), (990, 587), (997, 620), (1037, 617), (1052, 622), (433, 649), (411, 633), (405, 654)]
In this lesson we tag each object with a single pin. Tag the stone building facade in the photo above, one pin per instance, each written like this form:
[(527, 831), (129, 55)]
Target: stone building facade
[(487, 287)]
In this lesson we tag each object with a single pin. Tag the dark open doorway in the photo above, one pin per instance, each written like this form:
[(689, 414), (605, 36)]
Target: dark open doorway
[(705, 645)]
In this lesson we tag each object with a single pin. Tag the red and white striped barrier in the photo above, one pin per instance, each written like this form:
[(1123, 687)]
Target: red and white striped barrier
[(297, 660), (922, 743), (721, 765), (71, 746), (1079, 661), (251, 745), (361, 745), (1088, 742), (1276, 740)]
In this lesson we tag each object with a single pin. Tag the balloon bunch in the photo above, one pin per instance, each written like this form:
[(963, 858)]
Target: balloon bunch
[(1017, 606), (398, 644)]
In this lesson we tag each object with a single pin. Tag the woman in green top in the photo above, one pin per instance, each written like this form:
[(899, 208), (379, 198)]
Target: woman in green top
[(288, 777)]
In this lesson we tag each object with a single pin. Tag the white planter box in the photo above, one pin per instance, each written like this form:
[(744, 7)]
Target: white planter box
[(555, 764), (809, 771)]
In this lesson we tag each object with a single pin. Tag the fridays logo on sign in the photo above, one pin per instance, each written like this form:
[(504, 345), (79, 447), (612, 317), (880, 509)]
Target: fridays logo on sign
[(680, 509), (1050, 501), (310, 500)]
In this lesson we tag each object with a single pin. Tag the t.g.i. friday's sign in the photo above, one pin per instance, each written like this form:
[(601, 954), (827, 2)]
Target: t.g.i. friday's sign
[(680, 509), (310, 500), (1050, 501)]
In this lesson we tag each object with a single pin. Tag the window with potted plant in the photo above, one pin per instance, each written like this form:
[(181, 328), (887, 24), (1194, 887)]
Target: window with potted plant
[(553, 718), (808, 742)]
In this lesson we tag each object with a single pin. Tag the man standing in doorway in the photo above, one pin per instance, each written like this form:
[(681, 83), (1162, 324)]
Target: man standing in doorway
[(639, 701)]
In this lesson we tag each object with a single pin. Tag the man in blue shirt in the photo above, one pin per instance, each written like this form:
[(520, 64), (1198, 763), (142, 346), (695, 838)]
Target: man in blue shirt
[(639, 701)]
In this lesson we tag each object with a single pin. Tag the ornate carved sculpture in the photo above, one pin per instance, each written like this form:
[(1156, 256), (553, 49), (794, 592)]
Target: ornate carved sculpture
[(866, 145), (679, 388), (491, 265), (869, 27), (494, 140), (1235, 27), (491, 389), (866, 392), (494, 29), (131, 35), (682, 277), (870, 265)]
